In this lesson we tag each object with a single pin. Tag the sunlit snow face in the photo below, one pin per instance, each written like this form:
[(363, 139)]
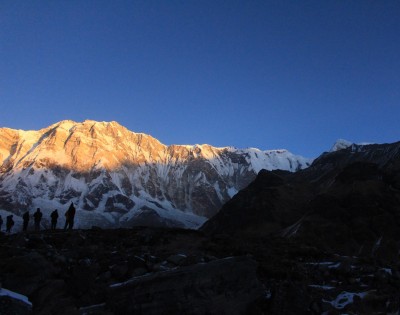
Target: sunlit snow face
[(113, 173)]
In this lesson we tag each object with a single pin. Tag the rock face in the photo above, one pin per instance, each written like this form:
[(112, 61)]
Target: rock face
[(117, 177)]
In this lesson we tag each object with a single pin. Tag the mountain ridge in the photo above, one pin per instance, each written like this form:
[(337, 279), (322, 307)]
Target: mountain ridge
[(346, 201), (120, 177)]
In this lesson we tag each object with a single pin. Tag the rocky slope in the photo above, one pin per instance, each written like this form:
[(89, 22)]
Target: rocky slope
[(131, 271), (171, 271), (347, 205), (351, 189), (120, 178)]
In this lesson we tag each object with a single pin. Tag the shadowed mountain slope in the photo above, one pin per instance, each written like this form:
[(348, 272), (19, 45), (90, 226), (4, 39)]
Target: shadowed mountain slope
[(347, 201)]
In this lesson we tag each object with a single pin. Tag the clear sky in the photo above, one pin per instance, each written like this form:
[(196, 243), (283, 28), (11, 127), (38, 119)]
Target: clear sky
[(266, 74)]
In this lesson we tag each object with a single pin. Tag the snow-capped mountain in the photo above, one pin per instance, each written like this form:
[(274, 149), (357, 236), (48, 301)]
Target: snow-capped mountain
[(342, 144), (117, 177)]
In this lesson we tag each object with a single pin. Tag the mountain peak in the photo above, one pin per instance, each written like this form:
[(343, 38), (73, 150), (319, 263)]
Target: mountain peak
[(63, 124), (67, 123), (340, 144)]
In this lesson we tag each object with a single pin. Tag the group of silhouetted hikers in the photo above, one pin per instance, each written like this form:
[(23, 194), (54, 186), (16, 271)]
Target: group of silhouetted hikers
[(37, 218)]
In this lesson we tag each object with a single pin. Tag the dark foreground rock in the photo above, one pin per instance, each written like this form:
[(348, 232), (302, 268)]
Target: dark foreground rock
[(223, 286), (172, 271), (126, 271), (13, 306)]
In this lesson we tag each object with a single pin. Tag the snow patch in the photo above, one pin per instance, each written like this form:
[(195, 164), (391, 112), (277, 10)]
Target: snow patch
[(232, 191), (387, 270), (345, 298), (15, 295), (322, 287), (329, 264)]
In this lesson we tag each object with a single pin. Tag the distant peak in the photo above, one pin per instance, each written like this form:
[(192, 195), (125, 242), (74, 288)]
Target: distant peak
[(341, 144)]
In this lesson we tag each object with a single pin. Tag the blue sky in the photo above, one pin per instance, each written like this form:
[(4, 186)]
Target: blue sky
[(267, 74)]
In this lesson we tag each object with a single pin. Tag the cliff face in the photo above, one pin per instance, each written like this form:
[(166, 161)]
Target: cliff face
[(120, 178)]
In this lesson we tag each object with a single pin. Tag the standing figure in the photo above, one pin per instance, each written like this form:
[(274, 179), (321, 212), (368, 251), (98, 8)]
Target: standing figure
[(69, 217), (9, 223), (37, 218), (25, 217), (54, 217), (1, 222)]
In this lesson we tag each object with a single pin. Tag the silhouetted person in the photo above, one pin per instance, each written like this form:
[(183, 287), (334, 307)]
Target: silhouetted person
[(1, 222), (37, 216), (54, 218), (69, 217), (9, 223), (25, 217)]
